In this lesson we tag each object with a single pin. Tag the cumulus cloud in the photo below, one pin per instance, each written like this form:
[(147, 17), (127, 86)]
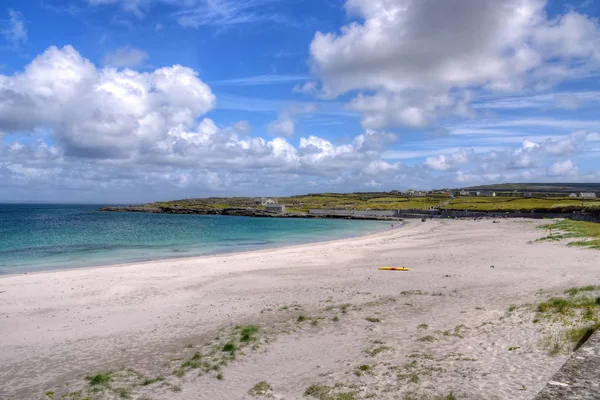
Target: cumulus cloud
[(531, 160), (100, 112), (419, 57), (285, 124), (563, 169), (14, 30), (75, 127), (125, 57)]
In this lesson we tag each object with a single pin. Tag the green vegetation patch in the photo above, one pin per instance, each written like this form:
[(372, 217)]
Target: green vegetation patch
[(101, 379), (567, 228), (574, 290), (262, 388), (151, 381), (322, 392), (422, 396), (377, 350)]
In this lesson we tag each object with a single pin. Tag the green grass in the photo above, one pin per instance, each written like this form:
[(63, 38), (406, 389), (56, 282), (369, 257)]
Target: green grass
[(379, 349), (415, 396), (512, 308), (262, 388), (101, 379), (428, 338), (557, 204), (229, 347), (423, 326), (123, 393), (373, 319), (302, 318), (590, 288), (590, 231), (559, 305), (580, 335), (322, 392), (248, 333), (194, 362), (151, 381)]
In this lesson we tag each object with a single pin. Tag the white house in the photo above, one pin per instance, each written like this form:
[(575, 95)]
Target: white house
[(573, 195), (464, 193), (275, 208), (264, 201), (590, 195)]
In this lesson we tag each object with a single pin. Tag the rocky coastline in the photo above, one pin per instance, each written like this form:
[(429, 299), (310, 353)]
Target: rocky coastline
[(233, 211)]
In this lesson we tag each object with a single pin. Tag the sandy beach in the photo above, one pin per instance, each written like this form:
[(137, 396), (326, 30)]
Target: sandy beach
[(325, 314)]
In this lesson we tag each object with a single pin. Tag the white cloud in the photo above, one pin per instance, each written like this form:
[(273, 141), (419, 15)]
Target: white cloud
[(77, 128), (285, 124), (100, 112), (562, 169), (418, 61), (449, 163), (309, 87), (14, 30), (125, 57)]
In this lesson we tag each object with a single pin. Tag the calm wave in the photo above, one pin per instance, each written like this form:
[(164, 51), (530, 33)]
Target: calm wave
[(45, 237)]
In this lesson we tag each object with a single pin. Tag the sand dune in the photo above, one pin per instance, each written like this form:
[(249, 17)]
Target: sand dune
[(443, 326)]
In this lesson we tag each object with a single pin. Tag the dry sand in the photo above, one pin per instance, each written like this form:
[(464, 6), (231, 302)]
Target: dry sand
[(58, 327)]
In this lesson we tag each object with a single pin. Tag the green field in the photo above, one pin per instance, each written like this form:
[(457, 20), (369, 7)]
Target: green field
[(556, 204), (388, 201)]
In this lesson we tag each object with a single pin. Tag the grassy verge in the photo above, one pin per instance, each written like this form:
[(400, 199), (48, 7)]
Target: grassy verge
[(576, 316), (567, 229)]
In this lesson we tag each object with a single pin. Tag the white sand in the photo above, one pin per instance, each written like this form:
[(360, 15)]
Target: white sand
[(57, 327)]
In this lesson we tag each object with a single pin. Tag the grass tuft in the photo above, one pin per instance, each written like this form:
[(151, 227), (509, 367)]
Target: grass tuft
[(101, 379), (580, 335), (262, 388), (373, 319), (230, 347), (123, 393), (150, 381), (379, 349), (248, 333), (574, 290)]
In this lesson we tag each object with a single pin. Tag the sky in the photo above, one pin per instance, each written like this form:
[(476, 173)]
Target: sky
[(129, 101)]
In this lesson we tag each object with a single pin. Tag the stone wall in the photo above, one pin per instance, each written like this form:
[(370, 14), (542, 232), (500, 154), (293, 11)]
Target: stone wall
[(579, 377)]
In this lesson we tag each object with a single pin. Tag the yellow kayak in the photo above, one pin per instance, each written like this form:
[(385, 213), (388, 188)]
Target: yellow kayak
[(392, 269)]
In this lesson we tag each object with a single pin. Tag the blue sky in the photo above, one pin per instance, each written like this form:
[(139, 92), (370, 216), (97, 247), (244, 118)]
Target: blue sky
[(140, 100)]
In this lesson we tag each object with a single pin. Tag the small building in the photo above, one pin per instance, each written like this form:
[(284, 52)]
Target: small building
[(464, 193), (264, 201), (487, 193), (589, 195), (275, 208), (528, 194), (573, 195)]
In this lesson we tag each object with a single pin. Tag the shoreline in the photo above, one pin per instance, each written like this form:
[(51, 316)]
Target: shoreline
[(61, 326), (207, 255)]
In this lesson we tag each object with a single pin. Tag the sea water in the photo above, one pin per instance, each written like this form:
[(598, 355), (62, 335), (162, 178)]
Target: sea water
[(36, 237)]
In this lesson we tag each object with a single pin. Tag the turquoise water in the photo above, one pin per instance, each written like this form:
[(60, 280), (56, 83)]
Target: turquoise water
[(47, 237)]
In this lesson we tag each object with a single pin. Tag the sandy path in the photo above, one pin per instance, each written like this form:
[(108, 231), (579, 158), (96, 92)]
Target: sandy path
[(62, 325)]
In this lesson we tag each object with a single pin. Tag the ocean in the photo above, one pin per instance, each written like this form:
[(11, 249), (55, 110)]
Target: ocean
[(40, 237)]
